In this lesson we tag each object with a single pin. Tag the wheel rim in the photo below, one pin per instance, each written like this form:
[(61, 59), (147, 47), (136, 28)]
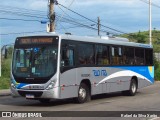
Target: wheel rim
[(133, 88), (82, 93)]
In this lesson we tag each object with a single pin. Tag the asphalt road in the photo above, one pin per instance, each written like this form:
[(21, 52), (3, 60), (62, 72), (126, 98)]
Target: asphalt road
[(146, 99)]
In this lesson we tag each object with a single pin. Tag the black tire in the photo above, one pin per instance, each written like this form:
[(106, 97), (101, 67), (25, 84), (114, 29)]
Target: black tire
[(133, 88), (83, 94), (44, 101)]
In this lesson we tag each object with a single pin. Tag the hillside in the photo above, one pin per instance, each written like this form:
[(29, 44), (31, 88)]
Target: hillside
[(143, 37)]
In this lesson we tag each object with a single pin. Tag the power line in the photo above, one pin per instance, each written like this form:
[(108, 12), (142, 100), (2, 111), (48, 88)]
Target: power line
[(21, 14), (76, 26), (63, 15), (18, 8), (20, 19), (73, 22), (91, 20), (70, 21), (22, 10), (22, 32), (71, 3), (153, 4)]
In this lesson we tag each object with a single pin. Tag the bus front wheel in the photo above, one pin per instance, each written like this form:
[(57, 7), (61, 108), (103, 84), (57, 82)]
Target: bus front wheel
[(83, 93)]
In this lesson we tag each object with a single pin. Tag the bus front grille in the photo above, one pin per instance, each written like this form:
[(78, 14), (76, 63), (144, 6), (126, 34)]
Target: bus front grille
[(35, 93)]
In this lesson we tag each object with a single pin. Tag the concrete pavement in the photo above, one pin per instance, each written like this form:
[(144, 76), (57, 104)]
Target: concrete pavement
[(5, 92), (146, 99)]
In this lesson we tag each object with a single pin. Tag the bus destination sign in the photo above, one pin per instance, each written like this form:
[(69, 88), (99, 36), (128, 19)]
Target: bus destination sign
[(35, 40)]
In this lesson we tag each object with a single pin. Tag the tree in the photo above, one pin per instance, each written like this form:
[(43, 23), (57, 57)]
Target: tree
[(140, 38), (9, 51)]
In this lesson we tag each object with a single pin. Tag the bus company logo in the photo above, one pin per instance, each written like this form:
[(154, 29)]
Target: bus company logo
[(100, 73), (6, 114)]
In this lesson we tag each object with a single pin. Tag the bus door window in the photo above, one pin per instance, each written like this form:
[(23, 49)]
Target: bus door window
[(120, 55), (102, 55), (117, 54), (82, 58), (115, 57), (85, 54), (67, 57)]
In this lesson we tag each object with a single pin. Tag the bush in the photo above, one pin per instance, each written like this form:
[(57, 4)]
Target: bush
[(5, 79), (157, 69), (6, 66), (4, 83)]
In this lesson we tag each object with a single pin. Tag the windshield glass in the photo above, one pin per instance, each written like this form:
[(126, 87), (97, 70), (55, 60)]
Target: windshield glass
[(35, 61)]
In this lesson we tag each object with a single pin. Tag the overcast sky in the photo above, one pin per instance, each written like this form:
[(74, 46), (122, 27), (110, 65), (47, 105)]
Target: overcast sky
[(123, 15)]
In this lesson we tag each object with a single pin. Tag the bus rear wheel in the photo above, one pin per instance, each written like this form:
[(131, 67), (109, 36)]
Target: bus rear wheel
[(133, 88), (83, 93)]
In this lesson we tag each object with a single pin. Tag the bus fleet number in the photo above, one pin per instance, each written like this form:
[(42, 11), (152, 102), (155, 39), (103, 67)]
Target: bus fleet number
[(100, 72)]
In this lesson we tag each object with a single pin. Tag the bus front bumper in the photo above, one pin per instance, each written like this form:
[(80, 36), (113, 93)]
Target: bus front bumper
[(53, 93)]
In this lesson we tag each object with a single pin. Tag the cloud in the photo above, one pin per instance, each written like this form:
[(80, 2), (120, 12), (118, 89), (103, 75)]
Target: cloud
[(124, 15), (118, 3), (27, 4), (38, 5)]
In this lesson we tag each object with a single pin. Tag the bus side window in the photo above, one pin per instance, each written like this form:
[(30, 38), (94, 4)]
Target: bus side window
[(102, 55), (67, 57), (115, 56), (128, 55), (85, 54), (139, 56), (149, 56)]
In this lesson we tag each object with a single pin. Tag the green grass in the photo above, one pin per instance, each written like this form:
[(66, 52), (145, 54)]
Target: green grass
[(5, 79), (4, 83)]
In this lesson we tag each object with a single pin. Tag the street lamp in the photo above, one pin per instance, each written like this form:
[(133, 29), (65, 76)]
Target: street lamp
[(150, 22), (0, 58)]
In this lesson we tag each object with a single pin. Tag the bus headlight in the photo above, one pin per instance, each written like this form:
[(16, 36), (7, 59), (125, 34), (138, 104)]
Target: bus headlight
[(13, 85), (50, 86)]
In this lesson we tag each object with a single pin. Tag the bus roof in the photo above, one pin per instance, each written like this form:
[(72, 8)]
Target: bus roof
[(117, 41)]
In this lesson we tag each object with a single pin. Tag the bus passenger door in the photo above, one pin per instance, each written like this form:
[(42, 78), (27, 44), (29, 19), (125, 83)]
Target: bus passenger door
[(68, 87)]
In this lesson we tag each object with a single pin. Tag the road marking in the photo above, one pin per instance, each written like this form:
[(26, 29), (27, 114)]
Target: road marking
[(156, 118)]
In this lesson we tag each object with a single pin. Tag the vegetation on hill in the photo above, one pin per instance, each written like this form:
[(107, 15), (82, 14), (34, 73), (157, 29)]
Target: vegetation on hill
[(143, 37)]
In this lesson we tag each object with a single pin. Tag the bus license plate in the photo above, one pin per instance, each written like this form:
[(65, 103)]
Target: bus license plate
[(29, 96)]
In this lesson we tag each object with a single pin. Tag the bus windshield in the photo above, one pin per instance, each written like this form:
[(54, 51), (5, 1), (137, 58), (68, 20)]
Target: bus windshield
[(36, 61)]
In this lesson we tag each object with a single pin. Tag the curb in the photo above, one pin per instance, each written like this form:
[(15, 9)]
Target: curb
[(5, 92), (2, 95)]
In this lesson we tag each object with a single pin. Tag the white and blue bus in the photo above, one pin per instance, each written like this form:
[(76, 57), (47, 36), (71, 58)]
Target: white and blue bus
[(53, 66)]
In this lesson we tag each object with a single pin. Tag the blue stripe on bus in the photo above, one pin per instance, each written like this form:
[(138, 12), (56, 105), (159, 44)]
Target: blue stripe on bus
[(21, 85), (147, 71)]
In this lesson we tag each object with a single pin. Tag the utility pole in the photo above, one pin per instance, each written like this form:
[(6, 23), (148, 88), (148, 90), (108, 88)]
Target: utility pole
[(99, 25), (150, 22), (0, 58), (52, 16)]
